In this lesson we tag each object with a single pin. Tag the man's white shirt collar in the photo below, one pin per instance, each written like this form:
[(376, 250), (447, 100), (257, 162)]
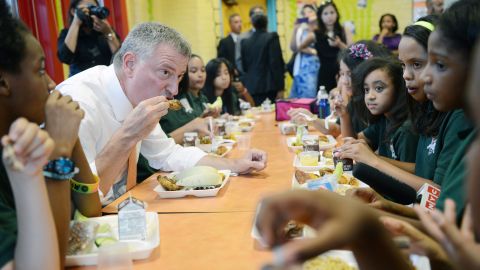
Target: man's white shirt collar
[(119, 102), (234, 37)]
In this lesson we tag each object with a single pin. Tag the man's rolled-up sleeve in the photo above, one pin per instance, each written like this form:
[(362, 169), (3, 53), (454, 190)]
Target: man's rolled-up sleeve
[(164, 154)]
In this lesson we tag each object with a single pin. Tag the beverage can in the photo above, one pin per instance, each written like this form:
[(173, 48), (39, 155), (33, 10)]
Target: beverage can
[(347, 162)]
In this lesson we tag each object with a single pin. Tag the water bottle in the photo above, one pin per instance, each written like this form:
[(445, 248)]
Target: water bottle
[(323, 104)]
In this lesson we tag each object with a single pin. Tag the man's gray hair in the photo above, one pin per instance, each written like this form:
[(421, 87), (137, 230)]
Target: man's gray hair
[(146, 37)]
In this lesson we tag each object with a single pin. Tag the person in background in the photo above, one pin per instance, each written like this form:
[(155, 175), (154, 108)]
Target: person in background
[(124, 103), (89, 41), (24, 92), (343, 107), (329, 38), (388, 35), (306, 63), (257, 9), (435, 7), (227, 47), (262, 62), (219, 84), (191, 118)]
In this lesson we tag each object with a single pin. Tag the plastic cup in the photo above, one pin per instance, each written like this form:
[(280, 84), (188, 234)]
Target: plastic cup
[(309, 158), (243, 141), (115, 256)]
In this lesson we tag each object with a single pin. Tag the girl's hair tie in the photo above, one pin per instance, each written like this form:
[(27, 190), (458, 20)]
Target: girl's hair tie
[(360, 51)]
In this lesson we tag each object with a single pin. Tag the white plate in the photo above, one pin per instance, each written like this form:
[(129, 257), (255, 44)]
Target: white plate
[(340, 187), (139, 250), (197, 193)]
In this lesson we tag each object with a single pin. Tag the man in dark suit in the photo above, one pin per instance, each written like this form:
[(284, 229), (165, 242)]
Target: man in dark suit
[(257, 9), (262, 62), (227, 46)]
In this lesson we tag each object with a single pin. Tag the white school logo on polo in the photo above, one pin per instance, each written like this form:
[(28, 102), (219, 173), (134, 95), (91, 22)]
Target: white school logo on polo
[(431, 146)]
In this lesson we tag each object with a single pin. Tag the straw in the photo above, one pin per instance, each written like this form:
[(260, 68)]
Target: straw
[(210, 124)]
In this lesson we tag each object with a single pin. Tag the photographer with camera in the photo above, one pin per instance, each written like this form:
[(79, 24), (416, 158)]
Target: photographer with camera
[(90, 40)]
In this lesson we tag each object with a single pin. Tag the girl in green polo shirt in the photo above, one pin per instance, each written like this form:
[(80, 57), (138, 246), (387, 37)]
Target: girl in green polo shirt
[(389, 132), (219, 84)]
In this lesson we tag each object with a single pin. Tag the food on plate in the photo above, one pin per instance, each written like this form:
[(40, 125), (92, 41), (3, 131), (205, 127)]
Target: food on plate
[(328, 154), (327, 263), (82, 237), (222, 149), (205, 140), (297, 143), (324, 171), (293, 229), (168, 184), (199, 177), (244, 124), (349, 180), (302, 176), (344, 178), (323, 138), (174, 105), (230, 136)]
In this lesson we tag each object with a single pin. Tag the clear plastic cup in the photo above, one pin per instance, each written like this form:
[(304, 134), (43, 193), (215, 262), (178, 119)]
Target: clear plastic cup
[(116, 256), (243, 141), (309, 158)]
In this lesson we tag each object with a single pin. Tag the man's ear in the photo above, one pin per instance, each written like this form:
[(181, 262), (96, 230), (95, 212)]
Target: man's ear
[(4, 85), (129, 63)]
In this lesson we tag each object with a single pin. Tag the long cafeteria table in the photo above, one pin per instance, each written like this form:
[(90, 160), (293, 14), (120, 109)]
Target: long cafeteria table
[(214, 232)]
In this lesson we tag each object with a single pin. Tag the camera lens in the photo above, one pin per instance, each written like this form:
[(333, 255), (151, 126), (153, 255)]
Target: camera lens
[(100, 12)]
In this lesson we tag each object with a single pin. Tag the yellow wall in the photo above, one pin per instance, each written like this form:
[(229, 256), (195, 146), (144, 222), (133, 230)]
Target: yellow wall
[(243, 9), (198, 20)]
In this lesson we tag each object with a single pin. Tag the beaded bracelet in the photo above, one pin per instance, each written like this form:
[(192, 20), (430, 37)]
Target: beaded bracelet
[(85, 188)]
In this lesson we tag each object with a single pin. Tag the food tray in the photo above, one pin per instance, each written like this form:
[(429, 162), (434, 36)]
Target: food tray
[(139, 250), (165, 194), (341, 188), (322, 145)]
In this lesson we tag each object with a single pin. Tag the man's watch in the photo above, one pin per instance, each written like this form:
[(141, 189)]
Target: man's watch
[(60, 169)]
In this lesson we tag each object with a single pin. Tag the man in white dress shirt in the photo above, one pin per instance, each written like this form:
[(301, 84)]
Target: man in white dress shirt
[(124, 102)]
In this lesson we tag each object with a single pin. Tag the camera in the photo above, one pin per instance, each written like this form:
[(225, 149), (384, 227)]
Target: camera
[(100, 12)]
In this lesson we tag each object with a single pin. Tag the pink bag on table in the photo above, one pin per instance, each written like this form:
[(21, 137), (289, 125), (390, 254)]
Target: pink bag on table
[(283, 105)]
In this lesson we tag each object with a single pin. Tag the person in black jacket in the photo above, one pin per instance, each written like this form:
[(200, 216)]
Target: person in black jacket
[(82, 45), (262, 62), (227, 46)]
